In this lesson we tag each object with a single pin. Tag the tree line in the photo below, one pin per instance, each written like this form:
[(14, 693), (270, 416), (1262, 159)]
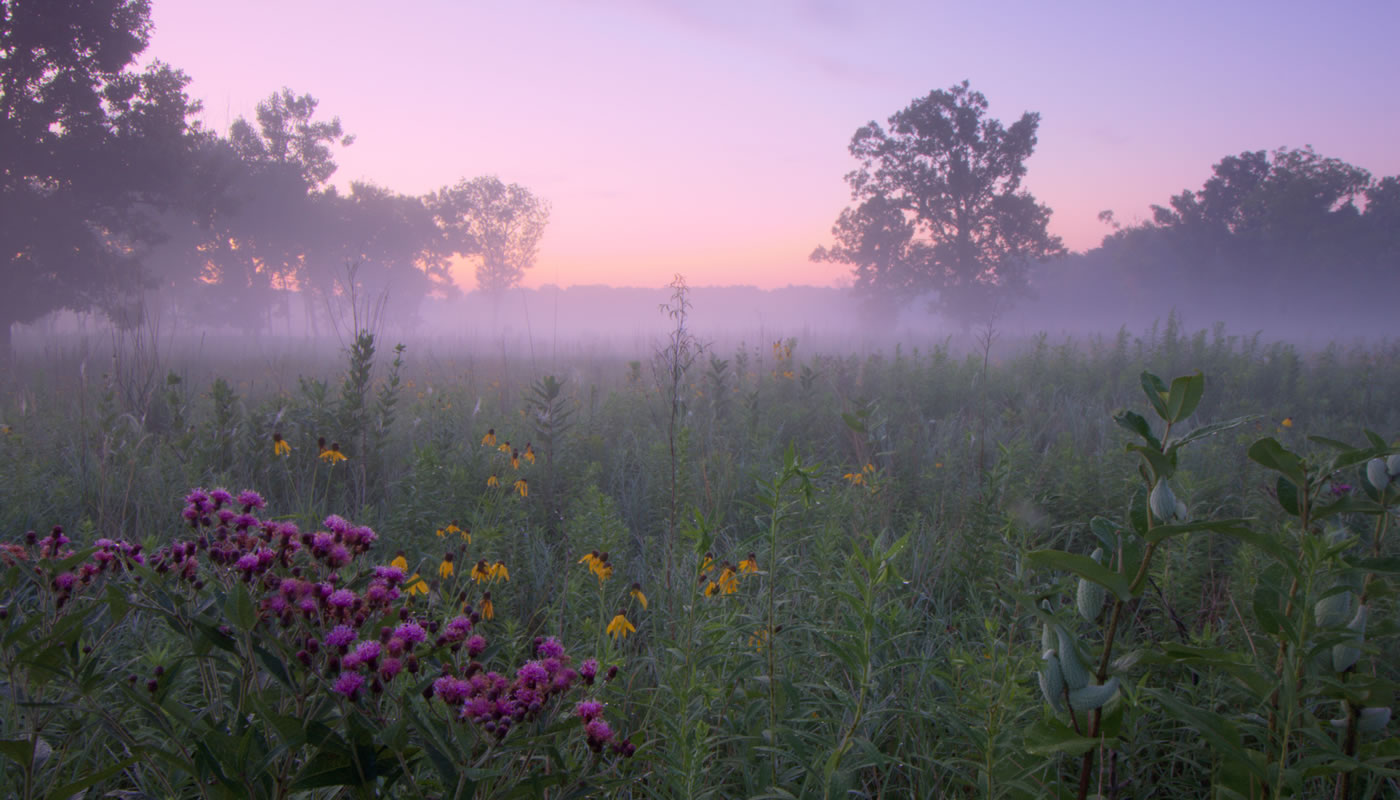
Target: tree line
[(112, 191)]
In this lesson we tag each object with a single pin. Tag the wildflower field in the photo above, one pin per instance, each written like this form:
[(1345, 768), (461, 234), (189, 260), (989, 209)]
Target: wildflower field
[(1149, 565)]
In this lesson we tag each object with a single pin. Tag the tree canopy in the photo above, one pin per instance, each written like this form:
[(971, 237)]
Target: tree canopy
[(500, 225), (939, 207)]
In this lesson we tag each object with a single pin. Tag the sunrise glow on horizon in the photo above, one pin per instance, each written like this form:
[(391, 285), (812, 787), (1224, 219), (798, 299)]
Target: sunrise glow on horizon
[(709, 139)]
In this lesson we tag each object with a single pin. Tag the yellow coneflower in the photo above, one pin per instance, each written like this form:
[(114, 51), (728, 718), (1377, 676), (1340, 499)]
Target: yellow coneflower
[(489, 440), (515, 459), (529, 453), (445, 569), (707, 562), (1287, 422), (415, 585), (488, 611), (711, 588), (504, 447), (333, 455), (498, 570), (728, 580), (522, 487), (451, 529), (749, 565), (856, 478), (481, 571), (638, 595), (590, 559), (870, 468), (399, 561), (280, 446), (603, 570), (620, 627), (758, 639), (492, 482)]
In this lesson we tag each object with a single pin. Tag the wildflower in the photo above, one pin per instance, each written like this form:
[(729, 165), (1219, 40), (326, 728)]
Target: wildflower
[(856, 478), (758, 639), (498, 570), (589, 670), (637, 595), (549, 647), (504, 447), (728, 580), (349, 684), (415, 585), (589, 709), (250, 500), (492, 482), (280, 446), (515, 459), (445, 568), (1287, 422), (6, 430), (341, 598), (333, 455), (522, 487), (399, 562), (340, 636), (749, 565), (603, 570), (488, 611), (590, 559), (709, 561), (451, 529), (529, 453), (410, 632), (489, 440), (711, 588), (620, 627)]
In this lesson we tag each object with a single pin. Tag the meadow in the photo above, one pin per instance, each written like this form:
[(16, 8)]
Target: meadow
[(1026, 569)]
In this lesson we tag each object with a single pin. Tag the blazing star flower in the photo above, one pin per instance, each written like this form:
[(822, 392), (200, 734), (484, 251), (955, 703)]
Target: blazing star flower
[(489, 440), (349, 684), (637, 595), (280, 446), (445, 569), (620, 627), (522, 487), (333, 455), (492, 482)]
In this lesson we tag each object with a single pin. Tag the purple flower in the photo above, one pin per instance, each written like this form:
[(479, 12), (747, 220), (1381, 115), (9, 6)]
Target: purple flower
[(361, 535), (336, 524), (475, 645), (248, 563), (390, 575), (411, 632), (349, 684), (598, 732), (341, 598), (589, 670), (589, 709), (64, 582), (221, 497), (550, 648), (244, 521), (340, 636), (250, 500), (451, 690), (389, 668), (338, 556), (533, 672), (367, 651)]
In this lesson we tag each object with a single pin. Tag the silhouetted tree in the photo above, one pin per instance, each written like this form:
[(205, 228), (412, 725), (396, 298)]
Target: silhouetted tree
[(940, 207), (88, 151), (499, 224)]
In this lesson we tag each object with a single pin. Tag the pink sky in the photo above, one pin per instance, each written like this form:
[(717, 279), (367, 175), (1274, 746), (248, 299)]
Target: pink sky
[(709, 138)]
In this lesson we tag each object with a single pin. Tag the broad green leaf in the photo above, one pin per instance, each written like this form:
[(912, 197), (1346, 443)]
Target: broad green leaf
[(853, 422), (1212, 429), (1269, 453), (1084, 567), (1049, 736), (1137, 423), (1215, 728), (1229, 527), (69, 790), (1287, 493), (1184, 396), (1156, 392)]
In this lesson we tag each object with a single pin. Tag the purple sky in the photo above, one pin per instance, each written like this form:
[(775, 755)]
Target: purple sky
[(709, 137)]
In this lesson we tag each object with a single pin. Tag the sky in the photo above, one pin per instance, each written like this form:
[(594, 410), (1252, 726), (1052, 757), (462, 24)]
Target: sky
[(709, 138)]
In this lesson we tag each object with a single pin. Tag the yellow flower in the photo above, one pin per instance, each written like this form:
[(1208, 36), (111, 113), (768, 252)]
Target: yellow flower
[(488, 611), (498, 570), (451, 529), (856, 478), (638, 595), (590, 559), (603, 570), (522, 487), (707, 562), (529, 453), (400, 562), (280, 446), (749, 565), (869, 468), (492, 482), (1287, 422), (711, 588), (620, 627), (515, 459), (490, 438), (504, 447), (445, 569), (728, 580), (758, 639), (333, 455), (416, 585), (481, 571)]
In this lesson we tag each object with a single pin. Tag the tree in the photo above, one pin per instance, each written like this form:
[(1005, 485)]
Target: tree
[(940, 208), (501, 225), (86, 151)]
